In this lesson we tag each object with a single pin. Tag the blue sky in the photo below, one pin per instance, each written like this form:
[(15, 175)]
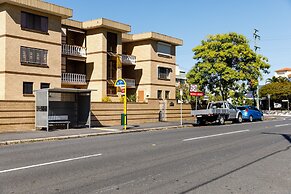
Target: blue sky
[(193, 20)]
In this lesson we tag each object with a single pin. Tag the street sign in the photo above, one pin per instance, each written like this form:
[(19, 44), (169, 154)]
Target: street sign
[(193, 88), (119, 83), (196, 94), (122, 90)]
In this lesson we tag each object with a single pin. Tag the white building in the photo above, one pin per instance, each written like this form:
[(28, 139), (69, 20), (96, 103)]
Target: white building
[(284, 72)]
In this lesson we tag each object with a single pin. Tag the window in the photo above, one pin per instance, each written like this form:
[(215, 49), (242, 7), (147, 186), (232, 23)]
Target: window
[(159, 94), (44, 85), (167, 95), (34, 22), (164, 73), (27, 87), (33, 56), (164, 48)]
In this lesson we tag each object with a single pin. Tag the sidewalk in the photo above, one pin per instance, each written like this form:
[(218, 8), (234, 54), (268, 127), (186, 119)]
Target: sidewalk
[(43, 135)]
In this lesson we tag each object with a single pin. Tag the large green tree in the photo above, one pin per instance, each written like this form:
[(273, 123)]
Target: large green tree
[(224, 62), (277, 90)]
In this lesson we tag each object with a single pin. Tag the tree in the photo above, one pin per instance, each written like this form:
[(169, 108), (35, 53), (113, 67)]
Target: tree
[(224, 62), (277, 79), (277, 90)]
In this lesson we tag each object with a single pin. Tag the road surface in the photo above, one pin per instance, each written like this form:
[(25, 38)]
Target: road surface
[(236, 158)]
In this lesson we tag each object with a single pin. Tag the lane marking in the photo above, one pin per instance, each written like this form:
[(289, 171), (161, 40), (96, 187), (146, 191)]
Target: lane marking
[(282, 125), (215, 135), (49, 163)]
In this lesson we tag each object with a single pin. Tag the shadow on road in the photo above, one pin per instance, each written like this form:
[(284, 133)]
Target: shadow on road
[(286, 136)]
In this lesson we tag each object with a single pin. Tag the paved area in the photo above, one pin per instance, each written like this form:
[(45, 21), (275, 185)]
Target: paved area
[(43, 135)]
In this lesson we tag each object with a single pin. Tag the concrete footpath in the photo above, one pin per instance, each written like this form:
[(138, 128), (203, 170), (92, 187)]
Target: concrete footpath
[(61, 134)]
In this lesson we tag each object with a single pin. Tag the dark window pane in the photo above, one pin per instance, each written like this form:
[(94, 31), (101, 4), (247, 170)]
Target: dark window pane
[(44, 85), (27, 87), (34, 22), (33, 56)]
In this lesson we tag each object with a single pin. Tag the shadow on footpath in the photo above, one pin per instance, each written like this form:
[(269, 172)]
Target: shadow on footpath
[(286, 136)]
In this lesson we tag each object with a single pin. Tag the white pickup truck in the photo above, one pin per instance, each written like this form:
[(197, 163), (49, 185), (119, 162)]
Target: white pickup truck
[(219, 112)]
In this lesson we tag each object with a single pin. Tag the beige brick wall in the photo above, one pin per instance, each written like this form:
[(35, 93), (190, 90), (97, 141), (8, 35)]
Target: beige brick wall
[(16, 73), (20, 115), (16, 116)]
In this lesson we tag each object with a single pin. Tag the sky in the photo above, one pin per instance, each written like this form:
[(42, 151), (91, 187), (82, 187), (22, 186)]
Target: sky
[(193, 20)]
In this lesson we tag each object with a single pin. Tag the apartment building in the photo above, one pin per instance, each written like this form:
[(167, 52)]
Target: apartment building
[(43, 48)]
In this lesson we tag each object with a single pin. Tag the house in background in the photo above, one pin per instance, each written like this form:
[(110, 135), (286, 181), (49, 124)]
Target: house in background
[(284, 72), (180, 76), (43, 48)]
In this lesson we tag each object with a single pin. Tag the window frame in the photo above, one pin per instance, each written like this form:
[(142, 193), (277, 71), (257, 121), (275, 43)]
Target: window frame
[(25, 90), (34, 22), (44, 84), (164, 75), (33, 56)]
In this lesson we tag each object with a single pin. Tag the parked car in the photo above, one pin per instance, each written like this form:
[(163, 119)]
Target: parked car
[(219, 112), (251, 113)]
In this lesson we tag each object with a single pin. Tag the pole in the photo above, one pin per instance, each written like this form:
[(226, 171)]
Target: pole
[(257, 36), (181, 108), (269, 102), (125, 106), (196, 102)]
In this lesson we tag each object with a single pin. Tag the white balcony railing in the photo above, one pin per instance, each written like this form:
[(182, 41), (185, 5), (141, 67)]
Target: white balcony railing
[(73, 78), (128, 59), (74, 50), (130, 83)]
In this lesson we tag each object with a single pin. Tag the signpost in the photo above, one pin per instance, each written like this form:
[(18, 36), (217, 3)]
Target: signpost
[(181, 111), (194, 92), (121, 83)]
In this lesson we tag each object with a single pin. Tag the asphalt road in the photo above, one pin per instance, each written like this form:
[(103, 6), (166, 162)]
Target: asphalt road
[(208, 159)]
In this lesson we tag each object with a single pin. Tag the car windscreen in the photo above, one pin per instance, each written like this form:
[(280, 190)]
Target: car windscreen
[(241, 108)]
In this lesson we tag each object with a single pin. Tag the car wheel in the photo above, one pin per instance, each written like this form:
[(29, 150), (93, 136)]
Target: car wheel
[(262, 118), (221, 120), (239, 119), (251, 118)]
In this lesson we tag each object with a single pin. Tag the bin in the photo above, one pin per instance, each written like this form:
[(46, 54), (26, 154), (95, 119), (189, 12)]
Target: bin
[(123, 119)]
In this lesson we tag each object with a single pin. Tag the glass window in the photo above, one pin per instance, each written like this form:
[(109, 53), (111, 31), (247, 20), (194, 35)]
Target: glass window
[(44, 85), (34, 22), (164, 48), (27, 87), (33, 56), (164, 73), (167, 95), (159, 94)]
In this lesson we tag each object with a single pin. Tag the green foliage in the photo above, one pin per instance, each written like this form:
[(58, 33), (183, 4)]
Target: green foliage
[(131, 98), (277, 79), (224, 62), (277, 90), (106, 99)]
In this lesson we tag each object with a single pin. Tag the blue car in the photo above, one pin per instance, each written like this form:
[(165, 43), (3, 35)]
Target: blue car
[(251, 113)]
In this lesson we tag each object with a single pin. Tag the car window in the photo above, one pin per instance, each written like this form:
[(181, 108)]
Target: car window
[(241, 108), (256, 109)]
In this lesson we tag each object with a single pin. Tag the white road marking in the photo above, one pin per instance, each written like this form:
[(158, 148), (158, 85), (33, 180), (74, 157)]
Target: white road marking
[(215, 135), (283, 125), (49, 163)]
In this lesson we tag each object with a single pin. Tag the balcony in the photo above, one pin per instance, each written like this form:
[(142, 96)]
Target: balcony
[(74, 50), (128, 59), (130, 83), (74, 79)]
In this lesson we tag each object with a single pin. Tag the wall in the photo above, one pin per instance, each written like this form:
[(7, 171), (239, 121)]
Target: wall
[(19, 115), (15, 73), (16, 116)]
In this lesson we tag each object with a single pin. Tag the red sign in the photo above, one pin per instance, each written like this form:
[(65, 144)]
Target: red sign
[(196, 94)]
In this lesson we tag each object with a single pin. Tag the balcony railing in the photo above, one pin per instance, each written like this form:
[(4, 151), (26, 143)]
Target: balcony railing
[(74, 50), (73, 78), (130, 83), (128, 59)]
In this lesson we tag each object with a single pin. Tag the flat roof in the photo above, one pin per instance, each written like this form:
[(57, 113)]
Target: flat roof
[(106, 23), (152, 36), (42, 6)]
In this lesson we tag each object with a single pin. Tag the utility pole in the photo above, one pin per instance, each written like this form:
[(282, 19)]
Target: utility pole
[(257, 37)]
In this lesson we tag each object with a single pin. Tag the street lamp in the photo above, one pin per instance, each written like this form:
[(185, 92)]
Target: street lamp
[(269, 99)]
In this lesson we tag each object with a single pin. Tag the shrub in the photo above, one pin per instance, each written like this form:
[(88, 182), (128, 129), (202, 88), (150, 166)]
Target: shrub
[(106, 99)]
